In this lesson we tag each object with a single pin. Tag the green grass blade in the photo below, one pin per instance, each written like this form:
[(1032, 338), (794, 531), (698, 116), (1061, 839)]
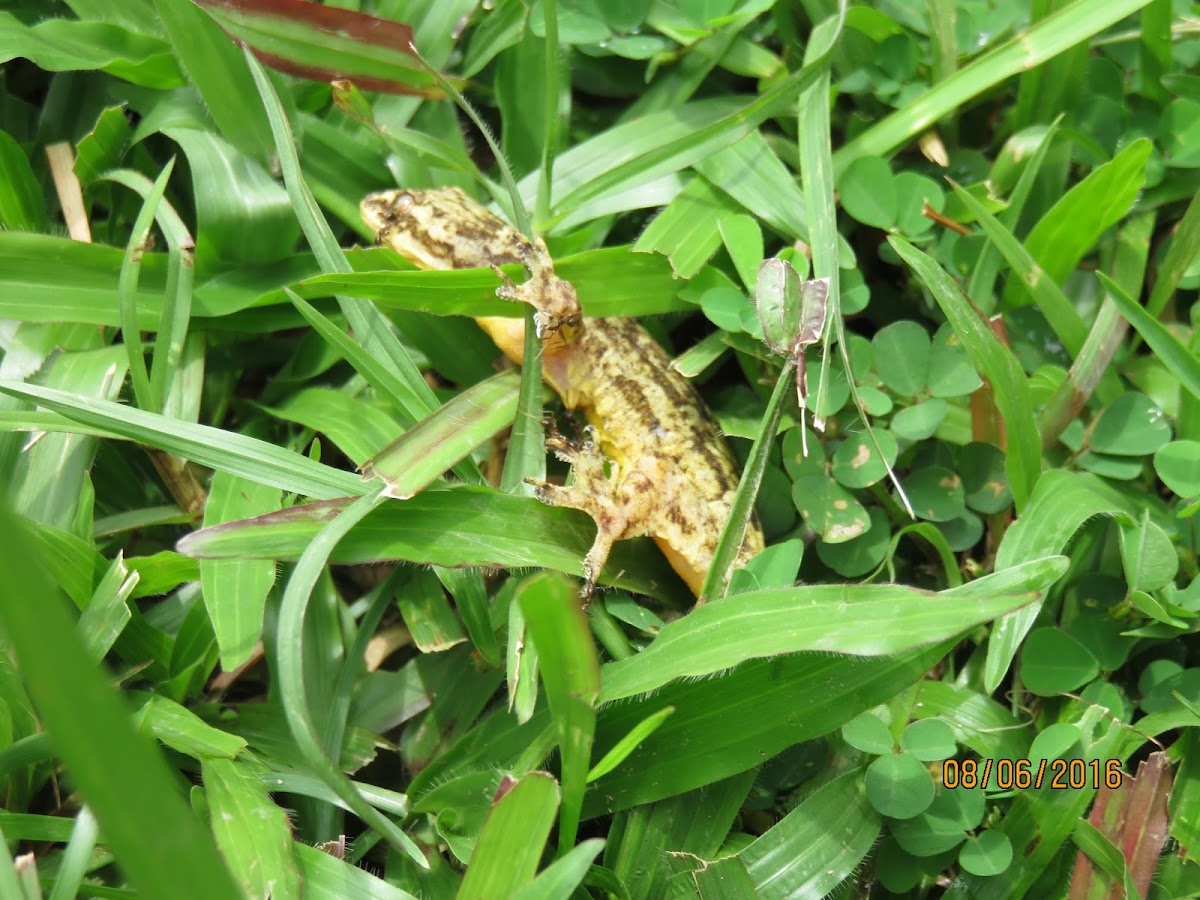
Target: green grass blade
[(176, 310), (130, 272), (996, 363), (1045, 292), (570, 671), (550, 113), (452, 526), (1066, 27), (21, 204), (1180, 255), (832, 618), (326, 877), (818, 844), (1177, 358), (471, 599), (365, 320), (216, 68), (445, 436), (564, 875), (513, 838), (626, 745), (716, 582), (289, 664), (1060, 504), (254, 833), (76, 857), (1077, 220), (235, 590), (228, 451), (391, 802), (1090, 371), (727, 723), (987, 265), (135, 797)]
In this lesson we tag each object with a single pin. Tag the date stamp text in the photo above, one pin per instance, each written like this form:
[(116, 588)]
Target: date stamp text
[(1023, 774)]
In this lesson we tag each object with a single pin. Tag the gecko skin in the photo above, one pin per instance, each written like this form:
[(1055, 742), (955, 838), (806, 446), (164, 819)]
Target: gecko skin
[(672, 476)]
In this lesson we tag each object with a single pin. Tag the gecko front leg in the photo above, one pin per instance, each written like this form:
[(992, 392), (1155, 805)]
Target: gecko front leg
[(554, 301), (605, 498)]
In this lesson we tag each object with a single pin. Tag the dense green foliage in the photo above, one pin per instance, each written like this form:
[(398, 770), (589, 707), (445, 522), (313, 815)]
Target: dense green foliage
[(973, 623)]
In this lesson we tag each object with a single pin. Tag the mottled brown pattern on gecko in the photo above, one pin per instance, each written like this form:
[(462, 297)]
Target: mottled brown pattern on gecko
[(671, 474)]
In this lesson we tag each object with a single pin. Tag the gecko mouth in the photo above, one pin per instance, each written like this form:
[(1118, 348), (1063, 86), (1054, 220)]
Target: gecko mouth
[(558, 333)]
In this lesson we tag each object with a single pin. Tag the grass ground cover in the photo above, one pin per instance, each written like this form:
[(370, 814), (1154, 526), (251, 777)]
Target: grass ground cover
[(963, 666)]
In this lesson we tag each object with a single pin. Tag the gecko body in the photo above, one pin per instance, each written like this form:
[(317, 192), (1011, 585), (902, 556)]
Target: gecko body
[(670, 474)]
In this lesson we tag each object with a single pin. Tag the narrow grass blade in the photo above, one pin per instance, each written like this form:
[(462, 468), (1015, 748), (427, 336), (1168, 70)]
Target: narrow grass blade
[(458, 526), (391, 802), (378, 375), (365, 320), (257, 460), (513, 838), (76, 857), (728, 722), (526, 457), (445, 436), (817, 845), (21, 205), (815, 141), (664, 158), (695, 823), (155, 836), (571, 674), (216, 69), (107, 613), (1066, 27), (326, 43), (1178, 359), (1104, 338), (1097, 850), (326, 877), (130, 271), (290, 671), (235, 590), (562, 877), (176, 311), (254, 834), (835, 618), (716, 582), (996, 363), (983, 273), (1178, 259), (1046, 294), (1077, 220), (471, 599), (1060, 504), (617, 754)]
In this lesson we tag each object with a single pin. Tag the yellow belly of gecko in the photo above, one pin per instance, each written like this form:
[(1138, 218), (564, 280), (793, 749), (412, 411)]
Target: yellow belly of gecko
[(671, 475)]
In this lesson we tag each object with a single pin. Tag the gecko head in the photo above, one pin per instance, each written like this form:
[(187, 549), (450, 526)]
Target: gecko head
[(381, 209), (384, 209)]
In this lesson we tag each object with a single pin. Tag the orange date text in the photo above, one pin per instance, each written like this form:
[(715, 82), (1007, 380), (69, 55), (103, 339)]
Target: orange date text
[(1023, 774)]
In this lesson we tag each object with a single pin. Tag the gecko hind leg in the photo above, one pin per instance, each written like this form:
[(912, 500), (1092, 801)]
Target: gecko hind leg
[(591, 491)]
